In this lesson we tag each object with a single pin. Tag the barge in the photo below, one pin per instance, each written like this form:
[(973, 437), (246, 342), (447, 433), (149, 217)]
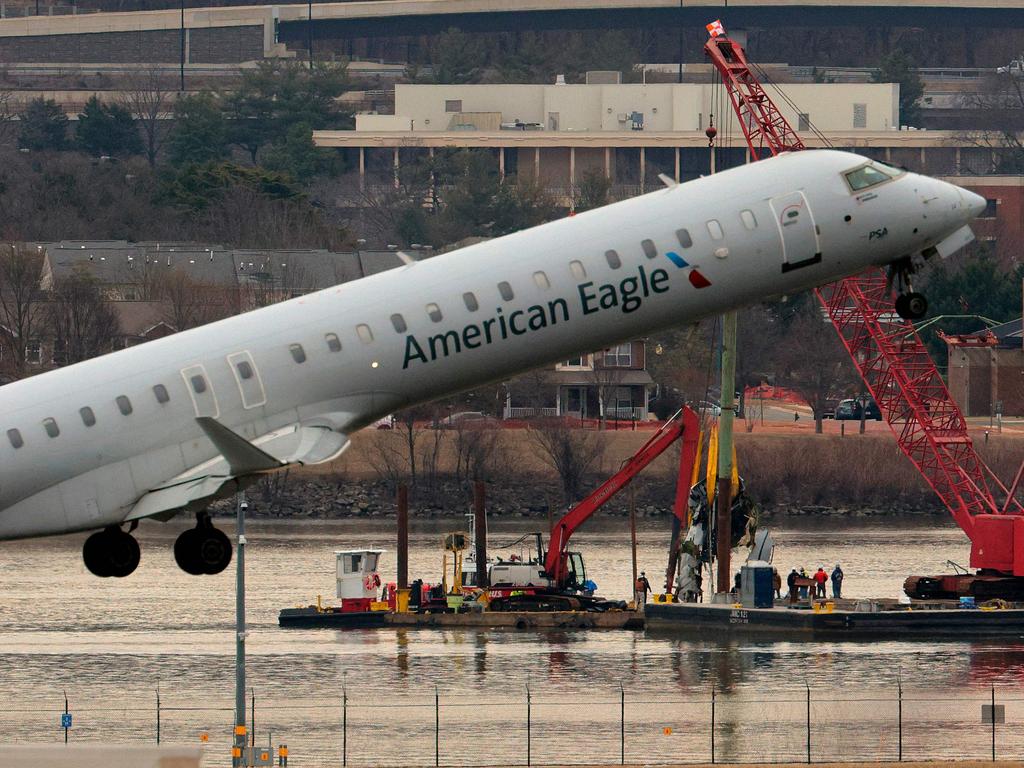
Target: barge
[(862, 620)]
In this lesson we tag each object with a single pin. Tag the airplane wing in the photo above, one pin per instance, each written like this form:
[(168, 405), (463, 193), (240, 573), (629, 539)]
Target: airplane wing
[(240, 460)]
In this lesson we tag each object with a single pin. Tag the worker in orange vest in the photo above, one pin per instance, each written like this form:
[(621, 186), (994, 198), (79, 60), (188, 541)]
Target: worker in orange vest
[(820, 580), (641, 588)]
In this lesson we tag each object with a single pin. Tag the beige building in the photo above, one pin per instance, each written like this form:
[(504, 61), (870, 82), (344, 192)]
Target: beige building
[(626, 107)]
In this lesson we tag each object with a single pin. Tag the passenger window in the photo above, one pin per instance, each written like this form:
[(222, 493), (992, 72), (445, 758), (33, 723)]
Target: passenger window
[(399, 322), (747, 217), (506, 291), (683, 236), (541, 280), (198, 384), (613, 259), (88, 417), (650, 249), (434, 313), (160, 391), (15, 437), (124, 405), (364, 333), (471, 303), (578, 270), (50, 425), (298, 353), (333, 342), (715, 229), (244, 369)]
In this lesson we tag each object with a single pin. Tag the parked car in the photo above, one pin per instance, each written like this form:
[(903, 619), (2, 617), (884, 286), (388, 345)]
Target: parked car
[(850, 410)]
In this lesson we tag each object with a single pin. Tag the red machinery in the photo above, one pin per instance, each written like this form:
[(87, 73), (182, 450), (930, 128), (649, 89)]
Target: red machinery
[(900, 375), (683, 425)]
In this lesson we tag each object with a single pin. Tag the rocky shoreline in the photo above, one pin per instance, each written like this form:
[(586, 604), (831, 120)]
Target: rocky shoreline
[(325, 499)]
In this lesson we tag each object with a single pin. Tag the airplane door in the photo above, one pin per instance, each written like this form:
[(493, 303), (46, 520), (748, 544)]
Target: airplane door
[(800, 247), (200, 389), (247, 376)]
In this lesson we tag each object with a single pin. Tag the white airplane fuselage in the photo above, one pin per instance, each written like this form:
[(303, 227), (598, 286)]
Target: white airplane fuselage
[(296, 378)]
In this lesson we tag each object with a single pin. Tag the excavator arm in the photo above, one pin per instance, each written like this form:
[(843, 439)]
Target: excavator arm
[(683, 425)]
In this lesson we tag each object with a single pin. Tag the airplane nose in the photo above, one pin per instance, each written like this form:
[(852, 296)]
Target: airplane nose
[(975, 204)]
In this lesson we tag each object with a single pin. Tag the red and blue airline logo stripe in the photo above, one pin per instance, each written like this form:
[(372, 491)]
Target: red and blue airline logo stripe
[(697, 280)]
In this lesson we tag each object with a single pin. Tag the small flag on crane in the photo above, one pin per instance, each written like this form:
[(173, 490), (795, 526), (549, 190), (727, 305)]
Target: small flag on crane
[(715, 28)]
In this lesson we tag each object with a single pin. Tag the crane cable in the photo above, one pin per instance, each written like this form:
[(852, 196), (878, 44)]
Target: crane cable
[(766, 80)]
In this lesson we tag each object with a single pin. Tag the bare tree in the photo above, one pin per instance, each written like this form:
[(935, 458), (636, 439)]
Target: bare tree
[(149, 96), (189, 303), (606, 378), (478, 450), (81, 321), (571, 452), (20, 305)]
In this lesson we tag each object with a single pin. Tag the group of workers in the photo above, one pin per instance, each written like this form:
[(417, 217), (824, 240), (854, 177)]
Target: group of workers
[(800, 583)]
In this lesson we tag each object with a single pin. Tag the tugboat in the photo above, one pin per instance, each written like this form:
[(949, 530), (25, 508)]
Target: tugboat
[(358, 585)]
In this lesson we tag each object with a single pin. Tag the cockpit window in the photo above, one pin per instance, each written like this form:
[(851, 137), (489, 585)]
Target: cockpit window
[(866, 176)]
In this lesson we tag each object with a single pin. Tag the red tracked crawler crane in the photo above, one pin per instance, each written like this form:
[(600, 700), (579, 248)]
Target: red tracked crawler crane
[(900, 375)]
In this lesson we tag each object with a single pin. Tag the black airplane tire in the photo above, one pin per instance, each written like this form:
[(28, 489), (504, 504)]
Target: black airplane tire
[(94, 553), (186, 548), (911, 306), (213, 550), (123, 553)]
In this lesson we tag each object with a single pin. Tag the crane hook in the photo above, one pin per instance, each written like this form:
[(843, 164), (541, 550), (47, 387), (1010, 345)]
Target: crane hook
[(711, 131)]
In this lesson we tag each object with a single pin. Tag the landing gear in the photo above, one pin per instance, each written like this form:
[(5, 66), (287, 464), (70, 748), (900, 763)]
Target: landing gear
[(910, 305), (111, 552), (203, 550)]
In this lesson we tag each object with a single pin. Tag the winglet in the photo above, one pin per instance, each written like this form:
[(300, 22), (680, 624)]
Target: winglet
[(242, 457)]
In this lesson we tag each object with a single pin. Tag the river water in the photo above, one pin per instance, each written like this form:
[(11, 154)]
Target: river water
[(460, 697)]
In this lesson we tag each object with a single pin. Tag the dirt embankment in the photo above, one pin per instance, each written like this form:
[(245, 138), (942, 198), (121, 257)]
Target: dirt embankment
[(787, 473)]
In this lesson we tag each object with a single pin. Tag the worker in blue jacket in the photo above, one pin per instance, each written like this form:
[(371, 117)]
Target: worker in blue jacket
[(837, 581)]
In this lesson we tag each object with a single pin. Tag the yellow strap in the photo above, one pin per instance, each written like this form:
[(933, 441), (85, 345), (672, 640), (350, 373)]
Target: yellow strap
[(712, 462), (694, 474), (734, 483)]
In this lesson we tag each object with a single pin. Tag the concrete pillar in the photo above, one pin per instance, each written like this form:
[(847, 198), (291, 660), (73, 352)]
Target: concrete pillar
[(958, 159), (678, 175), (395, 162), (362, 169), (608, 163), (501, 163), (888, 154), (188, 44), (924, 163), (712, 151), (536, 164), (643, 169)]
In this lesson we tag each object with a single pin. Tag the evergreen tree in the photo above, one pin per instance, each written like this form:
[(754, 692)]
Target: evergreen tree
[(899, 68), (43, 125), (107, 130), (200, 132)]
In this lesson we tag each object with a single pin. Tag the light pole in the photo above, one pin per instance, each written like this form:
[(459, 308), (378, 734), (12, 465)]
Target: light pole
[(309, 31), (238, 753), (181, 81)]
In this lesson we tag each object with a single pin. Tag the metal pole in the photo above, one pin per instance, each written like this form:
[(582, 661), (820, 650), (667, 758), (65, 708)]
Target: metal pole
[(309, 32), (900, 722), (66, 712), (993, 723), (724, 502), (158, 713), (237, 758), (344, 727), (480, 533), (528, 730), (622, 725), (403, 537), (252, 716), (712, 724), (181, 82), (437, 727), (808, 725), (632, 539)]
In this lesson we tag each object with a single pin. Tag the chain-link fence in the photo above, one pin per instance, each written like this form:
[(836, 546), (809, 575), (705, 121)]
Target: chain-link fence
[(525, 727)]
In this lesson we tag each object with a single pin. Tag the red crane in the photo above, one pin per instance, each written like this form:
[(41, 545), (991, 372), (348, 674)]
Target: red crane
[(897, 370), (683, 425)]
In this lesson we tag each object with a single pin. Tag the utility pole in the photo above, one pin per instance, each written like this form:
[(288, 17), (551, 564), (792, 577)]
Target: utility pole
[(238, 753), (725, 423)]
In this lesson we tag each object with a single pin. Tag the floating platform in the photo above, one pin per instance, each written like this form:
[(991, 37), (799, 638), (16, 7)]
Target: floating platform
[(311, 617), (927, 621)]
